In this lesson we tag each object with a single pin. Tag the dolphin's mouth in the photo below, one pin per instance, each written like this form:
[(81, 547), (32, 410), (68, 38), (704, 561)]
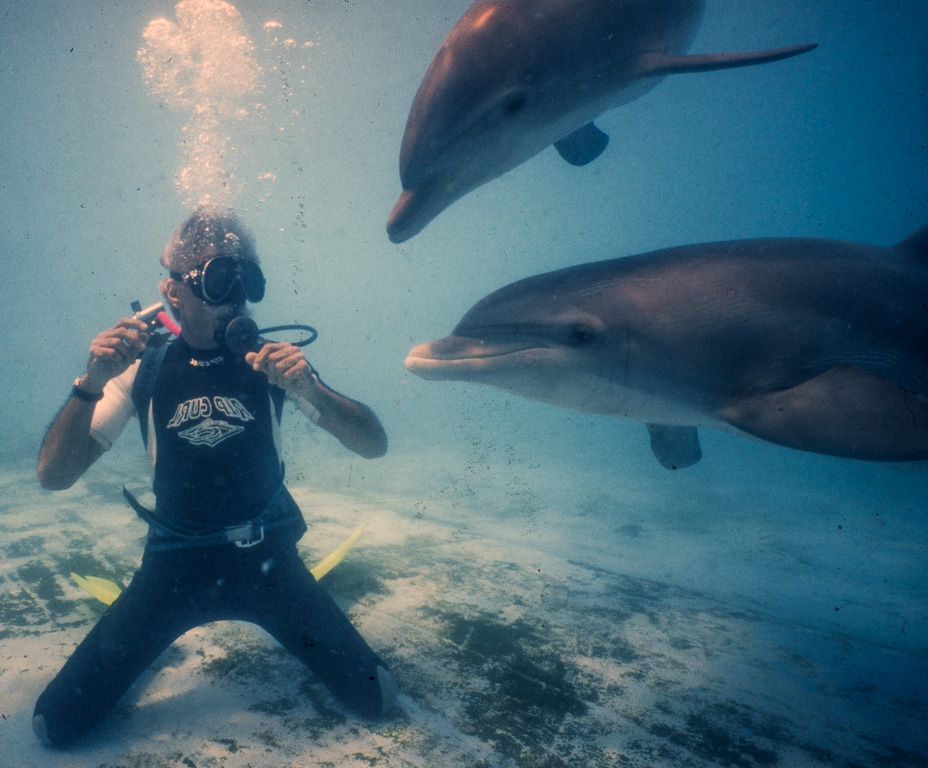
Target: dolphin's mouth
[(402, 223), (423, 200), (415, 208), (461, 357)]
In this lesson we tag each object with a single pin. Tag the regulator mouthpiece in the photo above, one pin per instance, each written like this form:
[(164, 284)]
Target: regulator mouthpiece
[(242, 335)]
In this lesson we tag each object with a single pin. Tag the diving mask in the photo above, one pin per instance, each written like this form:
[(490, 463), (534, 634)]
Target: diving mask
[(225, 280)]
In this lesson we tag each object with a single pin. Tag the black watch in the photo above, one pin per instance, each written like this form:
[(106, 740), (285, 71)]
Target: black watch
[(83, 394)]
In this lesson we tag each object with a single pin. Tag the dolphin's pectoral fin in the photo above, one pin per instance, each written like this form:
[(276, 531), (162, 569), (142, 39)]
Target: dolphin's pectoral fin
[(675, 447), (583, 145), (844, 412), (657, 63)]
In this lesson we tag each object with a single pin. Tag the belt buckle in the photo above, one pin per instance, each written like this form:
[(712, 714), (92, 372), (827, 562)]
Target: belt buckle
[(246, 535)]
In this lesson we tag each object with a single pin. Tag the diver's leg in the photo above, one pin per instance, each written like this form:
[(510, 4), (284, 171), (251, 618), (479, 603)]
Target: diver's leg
[(287, 602), (130, 635)]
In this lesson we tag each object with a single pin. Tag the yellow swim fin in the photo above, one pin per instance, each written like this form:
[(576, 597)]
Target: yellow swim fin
[(106, 591), (338, 555)]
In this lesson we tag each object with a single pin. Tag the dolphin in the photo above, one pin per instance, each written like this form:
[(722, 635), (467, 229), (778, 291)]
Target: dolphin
[(818, 345), (513, 77)]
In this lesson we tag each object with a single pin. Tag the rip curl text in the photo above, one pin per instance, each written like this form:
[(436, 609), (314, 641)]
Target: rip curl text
[(204, 407)]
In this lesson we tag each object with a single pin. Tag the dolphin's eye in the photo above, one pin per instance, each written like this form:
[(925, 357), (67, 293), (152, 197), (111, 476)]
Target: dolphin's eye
[(579, 335), (515, 104)]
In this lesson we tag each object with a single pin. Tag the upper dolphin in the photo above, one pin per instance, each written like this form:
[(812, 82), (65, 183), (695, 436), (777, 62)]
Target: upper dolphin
[(818, 345), (513, 77)]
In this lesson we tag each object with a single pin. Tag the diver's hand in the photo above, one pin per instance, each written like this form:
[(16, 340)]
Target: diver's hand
[(113, 351), (354, 424), (285, 367)]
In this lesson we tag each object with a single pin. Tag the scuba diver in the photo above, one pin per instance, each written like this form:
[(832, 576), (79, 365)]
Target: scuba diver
[(222, 537)]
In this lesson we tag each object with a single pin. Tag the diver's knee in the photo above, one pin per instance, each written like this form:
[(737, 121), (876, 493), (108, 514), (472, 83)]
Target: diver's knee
[(40, 729), (51, 735)]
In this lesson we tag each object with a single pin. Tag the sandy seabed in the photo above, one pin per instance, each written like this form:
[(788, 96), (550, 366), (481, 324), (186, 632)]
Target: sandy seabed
[(531, 620)]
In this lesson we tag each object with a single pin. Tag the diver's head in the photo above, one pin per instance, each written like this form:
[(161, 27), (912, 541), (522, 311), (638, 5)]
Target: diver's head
[(207, 232), (213, 271)]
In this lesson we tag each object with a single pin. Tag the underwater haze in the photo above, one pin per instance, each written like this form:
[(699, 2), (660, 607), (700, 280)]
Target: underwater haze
[(545, 592)]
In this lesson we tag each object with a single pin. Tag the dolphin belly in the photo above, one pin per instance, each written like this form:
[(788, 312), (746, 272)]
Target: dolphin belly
[(843, 412)]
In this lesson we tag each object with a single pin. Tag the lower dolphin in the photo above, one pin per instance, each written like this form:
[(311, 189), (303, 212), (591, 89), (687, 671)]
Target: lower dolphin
[(818, 345)]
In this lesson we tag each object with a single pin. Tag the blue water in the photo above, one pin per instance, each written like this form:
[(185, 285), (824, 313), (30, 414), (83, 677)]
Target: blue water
[(830, 144)]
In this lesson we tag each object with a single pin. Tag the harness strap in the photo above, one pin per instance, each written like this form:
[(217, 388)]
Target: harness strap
[(144, 384)]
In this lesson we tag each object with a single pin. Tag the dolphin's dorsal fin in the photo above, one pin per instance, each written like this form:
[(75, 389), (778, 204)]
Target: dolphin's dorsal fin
[(674, 447), (583, 145), (916, 243), (657, 63)]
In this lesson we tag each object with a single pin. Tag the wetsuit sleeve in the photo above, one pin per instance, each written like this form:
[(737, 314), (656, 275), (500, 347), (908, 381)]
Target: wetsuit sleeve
[(113, 412)]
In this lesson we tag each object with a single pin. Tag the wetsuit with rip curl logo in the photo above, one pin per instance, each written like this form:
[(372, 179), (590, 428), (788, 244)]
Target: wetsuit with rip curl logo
[(213, 441)]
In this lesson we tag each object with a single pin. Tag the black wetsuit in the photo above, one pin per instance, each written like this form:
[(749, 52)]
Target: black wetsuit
[(216, 466)]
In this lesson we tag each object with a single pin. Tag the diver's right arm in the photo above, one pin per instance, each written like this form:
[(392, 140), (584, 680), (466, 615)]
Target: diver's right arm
[(69, 448)]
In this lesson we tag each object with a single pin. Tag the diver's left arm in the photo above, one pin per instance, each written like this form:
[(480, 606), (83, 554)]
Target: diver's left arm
[(354, 424)]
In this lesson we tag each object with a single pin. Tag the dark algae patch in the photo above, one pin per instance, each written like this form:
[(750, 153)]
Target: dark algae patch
[(723, 734), (20, 614), (530, 695), (249, 664), (33, 599), (277, 706), (714, 742), (231, 744), (43, 583), (28, 546)]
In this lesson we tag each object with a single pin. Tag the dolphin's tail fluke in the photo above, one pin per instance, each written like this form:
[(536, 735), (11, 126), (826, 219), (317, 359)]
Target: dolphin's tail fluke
[(662, 64)]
